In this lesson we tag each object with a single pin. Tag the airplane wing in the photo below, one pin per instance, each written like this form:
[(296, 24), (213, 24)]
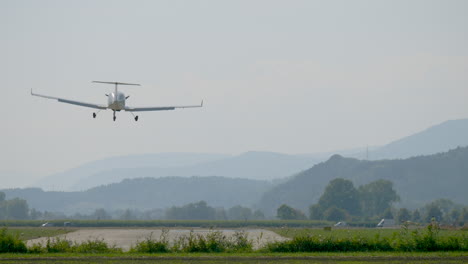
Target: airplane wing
[(61, 100), (160, 108)]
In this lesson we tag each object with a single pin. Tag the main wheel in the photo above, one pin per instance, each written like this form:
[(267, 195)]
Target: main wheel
[(115, 118), (136, 118), (94, 115)]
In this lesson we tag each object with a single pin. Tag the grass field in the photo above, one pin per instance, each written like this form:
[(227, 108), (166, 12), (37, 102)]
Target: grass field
[(367, 233), (26, 233), (170, 223), (250, 258), (258, 257)]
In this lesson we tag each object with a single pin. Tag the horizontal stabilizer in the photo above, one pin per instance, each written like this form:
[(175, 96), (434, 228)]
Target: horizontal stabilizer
[(117, 83)]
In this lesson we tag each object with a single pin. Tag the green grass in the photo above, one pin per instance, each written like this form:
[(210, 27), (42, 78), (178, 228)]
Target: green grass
[(26, 233), (427, 239), (367, 233), (250, 258), (430, 238), (170, 223)]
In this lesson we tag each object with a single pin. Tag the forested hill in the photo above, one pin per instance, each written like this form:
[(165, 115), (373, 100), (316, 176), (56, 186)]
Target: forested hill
[(417, 180), (147, 193)]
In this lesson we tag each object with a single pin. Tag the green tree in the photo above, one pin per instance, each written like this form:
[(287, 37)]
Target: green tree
[(315, 212), (286, 212), (377, 196), (416, 217), (341, 194), (100, 214), (387, 214), (404, 215), (239, 213), (433, 211), (334, 214), (258, 215), (17, 209), (454, 215), (445, 205), (192, 211), (35, 214), (464, 216)]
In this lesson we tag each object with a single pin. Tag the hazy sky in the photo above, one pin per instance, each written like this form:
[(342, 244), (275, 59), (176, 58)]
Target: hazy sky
[(284, 76)]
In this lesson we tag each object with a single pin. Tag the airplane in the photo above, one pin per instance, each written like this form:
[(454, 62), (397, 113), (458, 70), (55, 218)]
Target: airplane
[(116, 102)]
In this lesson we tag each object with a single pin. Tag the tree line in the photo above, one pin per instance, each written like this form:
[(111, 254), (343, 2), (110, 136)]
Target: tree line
[(341, 201), (13, 209)]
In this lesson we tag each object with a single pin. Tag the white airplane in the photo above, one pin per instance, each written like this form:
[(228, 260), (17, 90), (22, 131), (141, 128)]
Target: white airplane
[(116, 102)]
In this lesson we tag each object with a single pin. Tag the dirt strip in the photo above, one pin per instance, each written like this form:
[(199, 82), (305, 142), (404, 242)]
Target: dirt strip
[(125, 238)]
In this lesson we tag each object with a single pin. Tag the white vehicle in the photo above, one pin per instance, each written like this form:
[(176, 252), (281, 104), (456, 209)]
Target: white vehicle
[(116, 102), (386, 223), (340, 224)]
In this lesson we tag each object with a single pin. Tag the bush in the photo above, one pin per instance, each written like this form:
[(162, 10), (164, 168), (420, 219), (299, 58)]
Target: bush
[(58, 245), (11, 244), (94, 246), (151, 246), (214, 241)]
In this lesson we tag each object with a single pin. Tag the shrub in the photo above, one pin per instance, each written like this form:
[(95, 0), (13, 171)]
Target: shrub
[(151, 246), (10, 243), (94, 246), (58, 245)]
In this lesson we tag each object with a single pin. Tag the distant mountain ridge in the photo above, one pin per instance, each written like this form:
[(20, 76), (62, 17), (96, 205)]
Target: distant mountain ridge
[(147, 193), (439, 138), (417, 180), (65, 180), (251, 165), (254, 165)]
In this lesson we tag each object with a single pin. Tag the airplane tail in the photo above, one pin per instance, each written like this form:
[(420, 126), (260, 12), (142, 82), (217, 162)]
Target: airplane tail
[(117, 83)]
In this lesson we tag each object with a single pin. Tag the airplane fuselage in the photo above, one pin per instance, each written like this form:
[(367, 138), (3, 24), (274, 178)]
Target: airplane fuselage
[(116, 101)]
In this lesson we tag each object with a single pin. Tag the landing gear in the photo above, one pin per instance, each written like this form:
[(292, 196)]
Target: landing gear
[(114, 116), (94, 115), (134, 116)]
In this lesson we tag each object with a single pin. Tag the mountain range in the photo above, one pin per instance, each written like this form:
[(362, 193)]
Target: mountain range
[(417, 180), (250, 165), (167, 179)]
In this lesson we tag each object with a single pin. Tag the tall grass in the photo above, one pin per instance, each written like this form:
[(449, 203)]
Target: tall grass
[(62, 245), (417, 240), (214, 241), (425, 240)]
